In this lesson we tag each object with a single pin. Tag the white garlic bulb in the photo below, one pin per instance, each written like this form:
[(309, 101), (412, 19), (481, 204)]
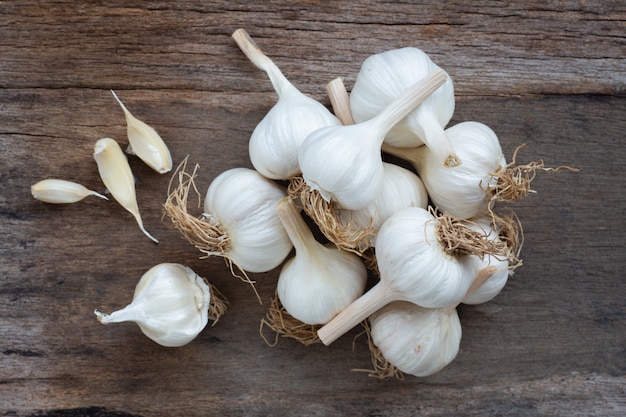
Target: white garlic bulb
[(118, 178), (418, 341), (463, 191), (170, 305), (61, 191), (146, 143), (414, 266), (344, 163), (243, 203), (385, 76), (274, 143), (319, 281), (496, 282), (401, 189)]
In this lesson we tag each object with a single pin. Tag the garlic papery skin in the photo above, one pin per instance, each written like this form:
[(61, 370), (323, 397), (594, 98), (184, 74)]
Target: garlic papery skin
[(146, 143), (401, 189), (463, 191), (117, 176), (61, 191), (274, 143), (496, 282), (413, 266), (170, 305), (319, 281), (385, 76), (418, 341), (344, 164), (243, 203)]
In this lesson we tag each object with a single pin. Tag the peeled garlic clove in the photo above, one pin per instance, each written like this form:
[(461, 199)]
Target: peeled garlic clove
[(463, 191), (170, 305), (385, 76), (146, 143), (319, 281), (418, 341), (275, 140), (61, 191), (117, 177)]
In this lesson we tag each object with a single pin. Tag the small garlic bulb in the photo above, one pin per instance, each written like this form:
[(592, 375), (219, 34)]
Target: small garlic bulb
[(61, 191), (343, 163), (243, 203), (463, 191), (418, 341), (146, 143), (170, 305), (319, 281), (385, 76), (401, 189), (118, 178), (414, 266), (274, 143), (496, 282)]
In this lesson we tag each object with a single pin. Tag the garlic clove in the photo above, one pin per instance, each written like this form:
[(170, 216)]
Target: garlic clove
[(61, 191), (146, 143), (274, 143), (117, 176), (319, 281), (170, 305), (418, 341)]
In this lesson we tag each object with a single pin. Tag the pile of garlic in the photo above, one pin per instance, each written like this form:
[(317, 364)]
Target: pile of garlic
[(429, 237)]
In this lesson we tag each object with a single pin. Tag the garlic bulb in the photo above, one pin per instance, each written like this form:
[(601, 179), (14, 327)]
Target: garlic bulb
[(496, 282), (170, 305), (239, 221), (344, 163), (385, 76), (319, 281), (418, 341), (274, 143), (61, 191), (463, 191), (414, 266), (146, 143), (401, 189), (118, 178)]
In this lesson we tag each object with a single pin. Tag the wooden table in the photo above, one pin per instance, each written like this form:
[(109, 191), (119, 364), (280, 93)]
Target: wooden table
[(548, 74)]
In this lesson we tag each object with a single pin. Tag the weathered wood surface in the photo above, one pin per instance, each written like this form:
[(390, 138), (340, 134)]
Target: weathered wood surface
[(548, 74)]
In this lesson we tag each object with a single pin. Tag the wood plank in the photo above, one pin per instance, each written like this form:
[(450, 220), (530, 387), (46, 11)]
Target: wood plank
[(548, 74)]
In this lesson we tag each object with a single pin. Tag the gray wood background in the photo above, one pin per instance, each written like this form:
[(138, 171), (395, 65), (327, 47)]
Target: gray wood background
[(549, 74)]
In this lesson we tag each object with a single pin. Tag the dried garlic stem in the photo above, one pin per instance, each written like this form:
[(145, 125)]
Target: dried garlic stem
[(350, 237), (340, 101), (282, 323)]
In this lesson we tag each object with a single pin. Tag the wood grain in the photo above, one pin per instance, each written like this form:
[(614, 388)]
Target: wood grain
[(548, 74)]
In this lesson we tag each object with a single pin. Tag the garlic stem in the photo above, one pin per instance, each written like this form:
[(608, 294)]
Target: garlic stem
[(247, 45), (370, 302), (295, 226), (340, 100), (404, 104), (410, 155), (435, 138)]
